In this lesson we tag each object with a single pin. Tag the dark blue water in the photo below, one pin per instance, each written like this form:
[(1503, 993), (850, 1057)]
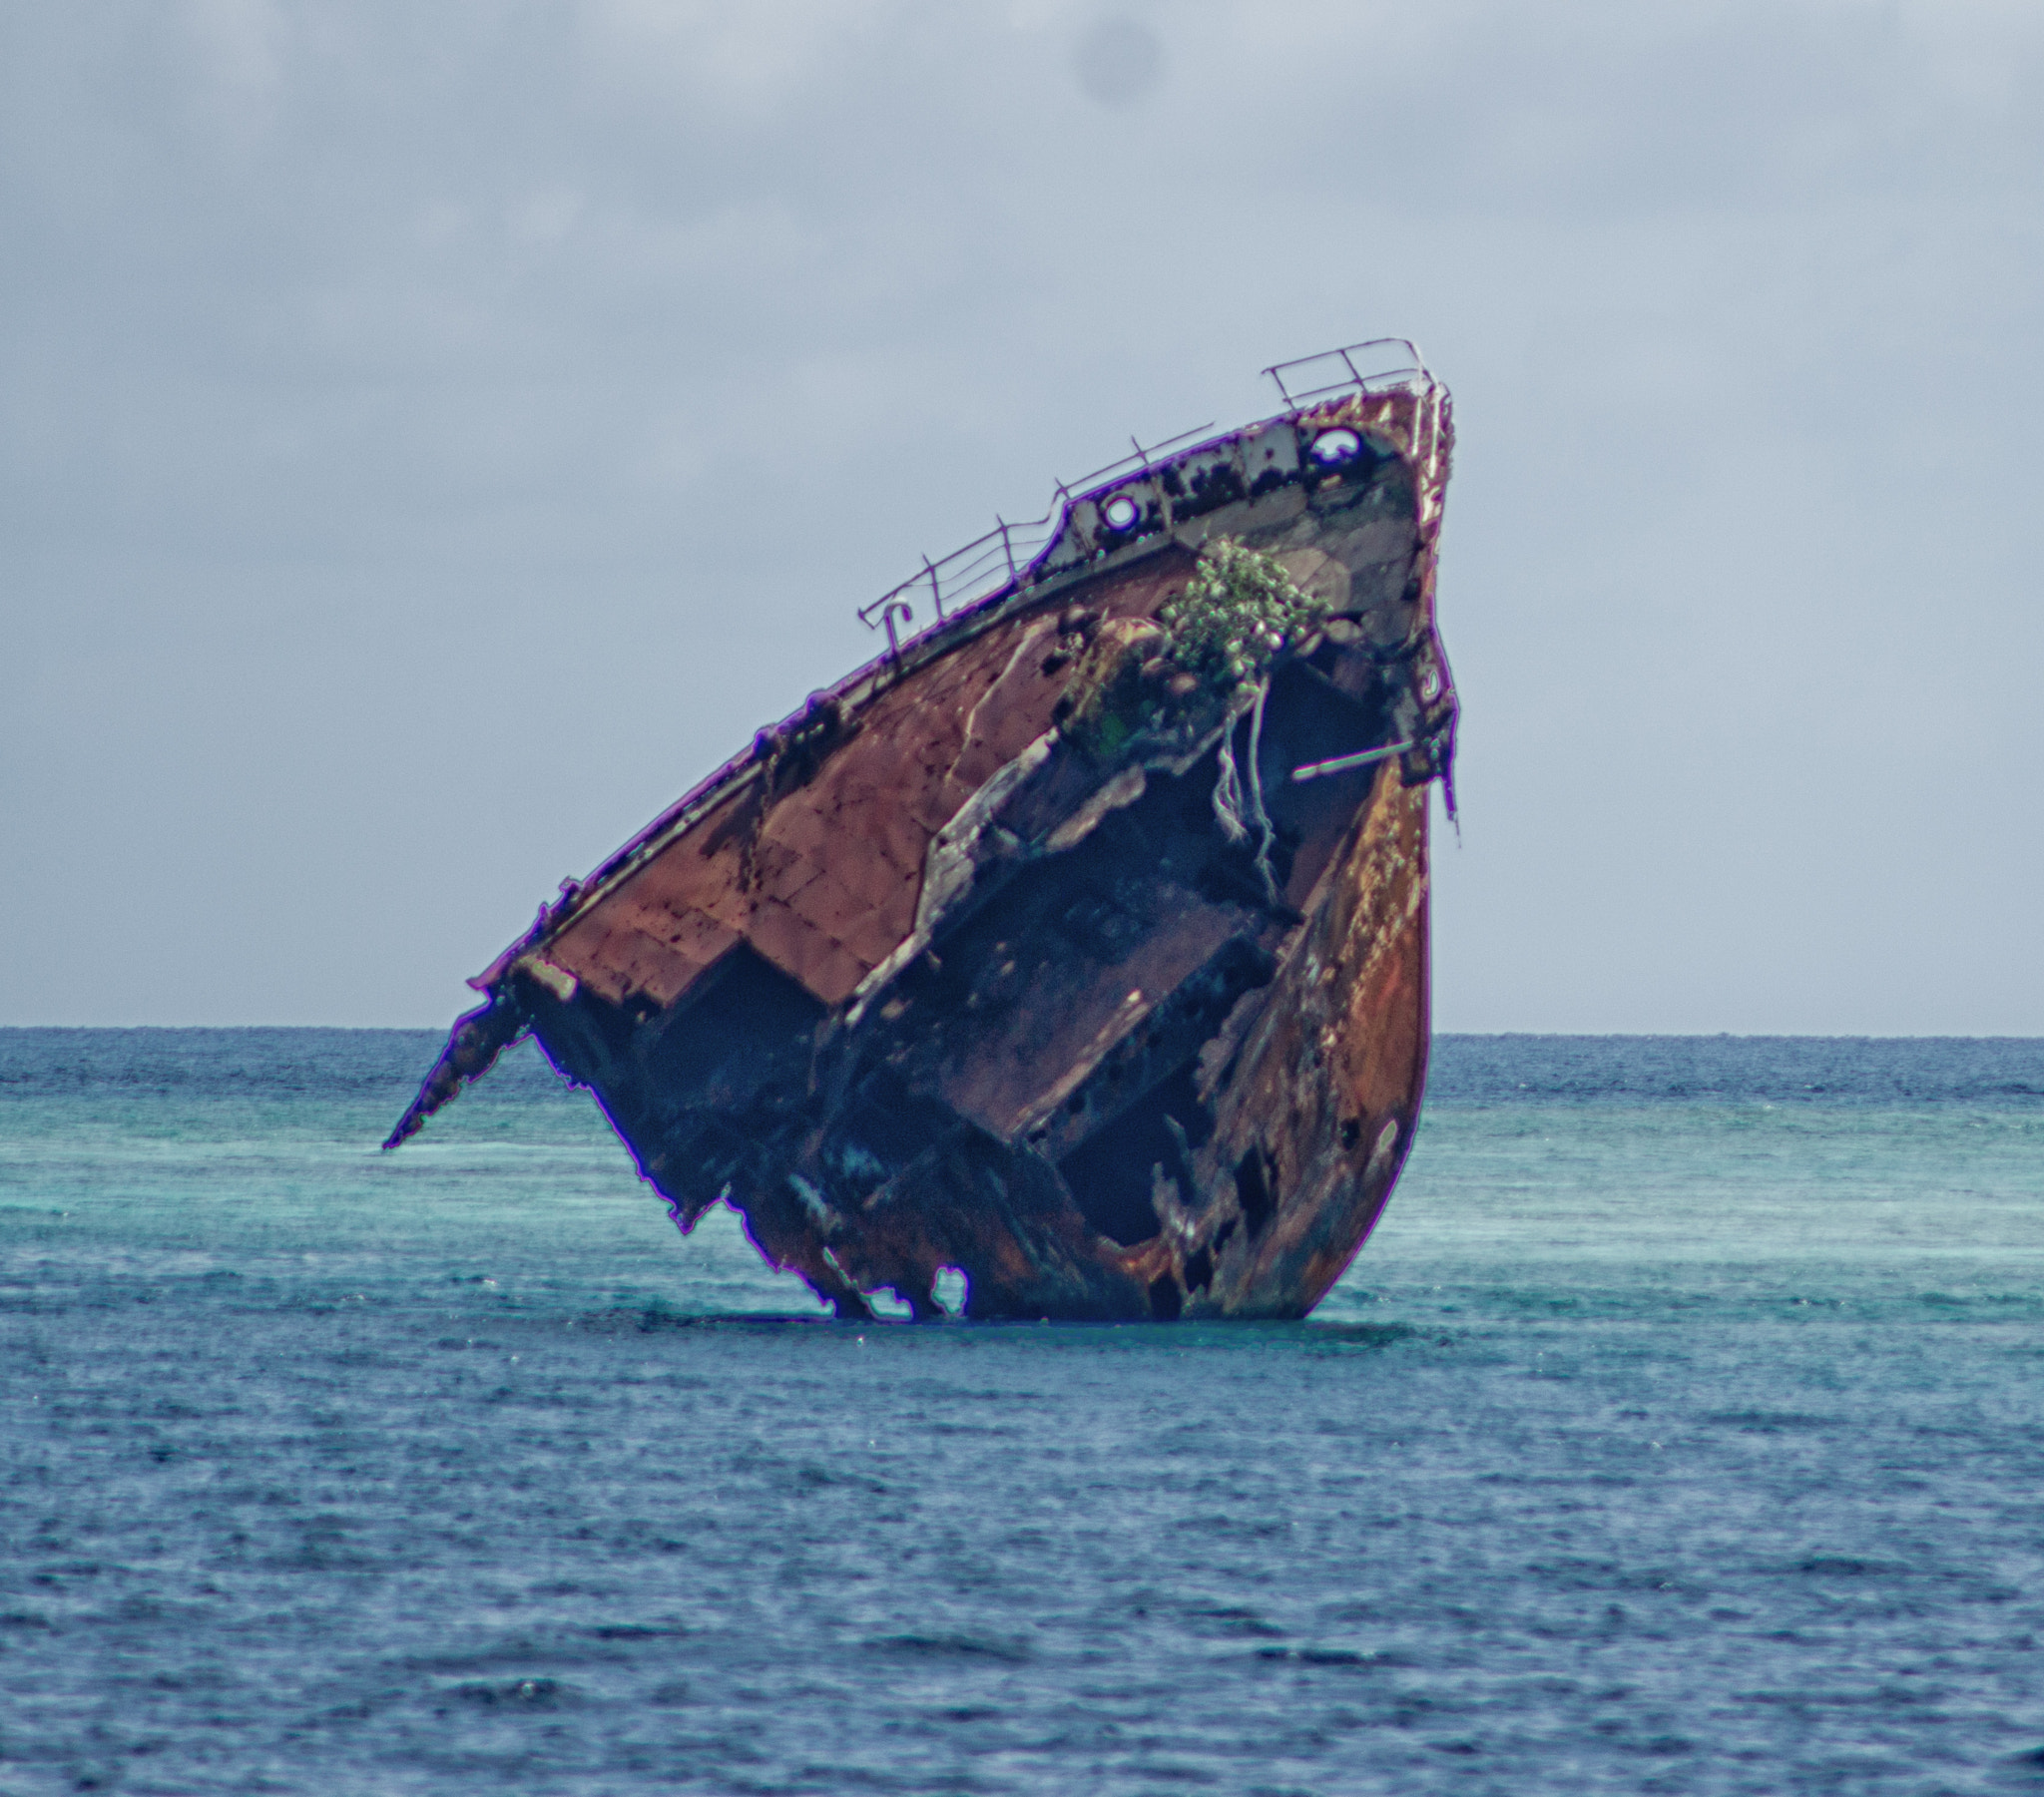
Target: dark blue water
[(1681, 1429)]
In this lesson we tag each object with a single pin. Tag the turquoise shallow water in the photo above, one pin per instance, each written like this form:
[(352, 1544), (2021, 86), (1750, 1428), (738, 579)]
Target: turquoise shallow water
[(1678, 1431)]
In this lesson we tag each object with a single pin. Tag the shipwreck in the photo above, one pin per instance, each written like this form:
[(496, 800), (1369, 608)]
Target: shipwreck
[(1078, 943)]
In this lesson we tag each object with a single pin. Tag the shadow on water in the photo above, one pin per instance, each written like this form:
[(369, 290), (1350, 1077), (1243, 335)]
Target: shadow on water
[(654, 1320), (1093, 1337)]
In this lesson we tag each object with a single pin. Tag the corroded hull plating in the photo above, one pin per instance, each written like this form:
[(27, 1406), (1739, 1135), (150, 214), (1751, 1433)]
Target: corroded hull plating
[(1026, 953)]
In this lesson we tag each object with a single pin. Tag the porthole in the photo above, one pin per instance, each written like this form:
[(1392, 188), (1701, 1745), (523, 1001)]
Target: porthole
[(1121, 513), (1334, 448)]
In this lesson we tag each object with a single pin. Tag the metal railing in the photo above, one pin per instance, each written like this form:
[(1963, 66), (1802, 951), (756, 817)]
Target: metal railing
[(1008, 553), (988, 564), (982, 568), (1383, 371)]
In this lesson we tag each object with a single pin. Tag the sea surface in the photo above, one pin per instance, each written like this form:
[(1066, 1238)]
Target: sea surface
[(1680, 1430)]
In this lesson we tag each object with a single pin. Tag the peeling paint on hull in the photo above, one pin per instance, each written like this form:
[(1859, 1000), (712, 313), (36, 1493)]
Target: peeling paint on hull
[(930, 982)]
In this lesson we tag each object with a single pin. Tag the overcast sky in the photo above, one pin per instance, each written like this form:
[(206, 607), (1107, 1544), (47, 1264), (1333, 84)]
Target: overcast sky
[(431, 437)]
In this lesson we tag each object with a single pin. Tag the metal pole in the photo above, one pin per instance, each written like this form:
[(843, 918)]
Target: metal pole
[(887, 618), (1318, 770)]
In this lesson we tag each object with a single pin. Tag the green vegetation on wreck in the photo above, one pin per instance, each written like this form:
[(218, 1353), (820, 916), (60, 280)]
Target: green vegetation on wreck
[(1216, 640)]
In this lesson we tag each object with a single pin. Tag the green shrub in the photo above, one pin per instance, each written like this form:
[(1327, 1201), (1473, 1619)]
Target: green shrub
[(1236, 612)]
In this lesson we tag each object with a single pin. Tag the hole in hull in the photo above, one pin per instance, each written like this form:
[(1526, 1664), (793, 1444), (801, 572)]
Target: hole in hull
[(1252, 1191), (744, 1011), (1111, 1172)]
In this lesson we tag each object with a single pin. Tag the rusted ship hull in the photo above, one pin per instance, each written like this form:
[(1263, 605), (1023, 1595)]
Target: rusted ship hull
[(1078, 945)]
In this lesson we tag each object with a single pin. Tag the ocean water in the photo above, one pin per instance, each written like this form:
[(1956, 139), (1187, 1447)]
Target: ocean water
[(1681, 1429)]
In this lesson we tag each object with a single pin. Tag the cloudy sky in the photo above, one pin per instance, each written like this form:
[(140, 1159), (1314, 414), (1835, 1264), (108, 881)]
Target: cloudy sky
[(430, 437)]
